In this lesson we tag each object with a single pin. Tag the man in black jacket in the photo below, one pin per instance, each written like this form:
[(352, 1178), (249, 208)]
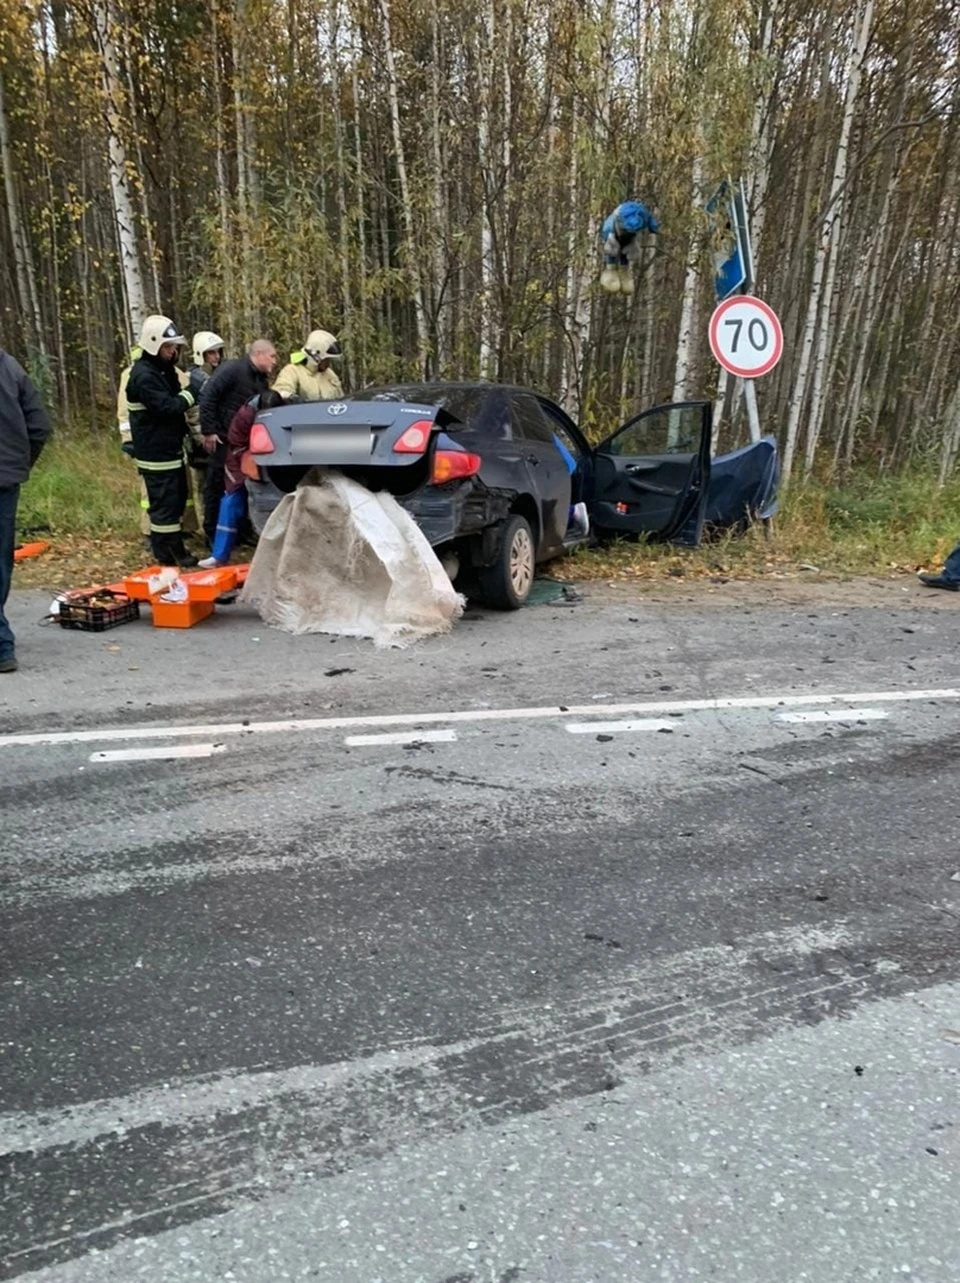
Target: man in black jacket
[(158, 427), (24, 428), (228, 388)]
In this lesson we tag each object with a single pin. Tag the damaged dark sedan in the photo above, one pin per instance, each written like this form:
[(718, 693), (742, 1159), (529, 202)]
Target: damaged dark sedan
[(500, 479)]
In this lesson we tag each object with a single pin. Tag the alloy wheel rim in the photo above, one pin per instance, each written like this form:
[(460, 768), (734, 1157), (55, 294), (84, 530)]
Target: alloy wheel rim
[(521, 562)]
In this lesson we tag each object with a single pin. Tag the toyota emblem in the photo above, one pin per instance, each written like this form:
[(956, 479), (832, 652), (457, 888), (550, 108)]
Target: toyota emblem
[(339, 407)]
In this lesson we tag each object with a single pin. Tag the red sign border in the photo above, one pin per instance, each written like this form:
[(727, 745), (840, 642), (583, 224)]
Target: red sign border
[(718, 314)]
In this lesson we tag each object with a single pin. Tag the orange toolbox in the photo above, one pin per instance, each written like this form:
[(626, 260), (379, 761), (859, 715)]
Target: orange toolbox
[(179, 614), (202, 585)]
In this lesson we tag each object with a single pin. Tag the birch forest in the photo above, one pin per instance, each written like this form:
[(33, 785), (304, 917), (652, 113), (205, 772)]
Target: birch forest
[(427, 178)]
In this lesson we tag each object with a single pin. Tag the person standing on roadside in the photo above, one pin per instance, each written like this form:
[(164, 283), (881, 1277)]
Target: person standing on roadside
[(309, 374), (208, 355), (228, 388), (24, 430), (158, 408)]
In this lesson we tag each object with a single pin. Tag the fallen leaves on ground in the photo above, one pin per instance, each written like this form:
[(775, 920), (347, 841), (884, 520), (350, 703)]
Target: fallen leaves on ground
[(74, 561)]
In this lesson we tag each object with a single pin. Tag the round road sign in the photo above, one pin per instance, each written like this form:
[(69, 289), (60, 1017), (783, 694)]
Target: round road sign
[(745, 336)]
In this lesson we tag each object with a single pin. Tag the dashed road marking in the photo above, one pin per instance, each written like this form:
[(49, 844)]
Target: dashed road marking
[(834, 715), (614, 728), (164, 753), (401, 737), (466, 715)]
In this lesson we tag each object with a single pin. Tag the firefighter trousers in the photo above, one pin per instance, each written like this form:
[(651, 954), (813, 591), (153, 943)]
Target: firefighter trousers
[(166, 486), (195, 481)]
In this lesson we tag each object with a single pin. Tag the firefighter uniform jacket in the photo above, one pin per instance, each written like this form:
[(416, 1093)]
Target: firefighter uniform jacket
[(158, 408), (302, 379)]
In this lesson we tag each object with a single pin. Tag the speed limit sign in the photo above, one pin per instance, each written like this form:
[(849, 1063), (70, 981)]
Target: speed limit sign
[(745, 336)]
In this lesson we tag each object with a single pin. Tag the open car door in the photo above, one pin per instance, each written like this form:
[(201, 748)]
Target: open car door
[(651, 476)]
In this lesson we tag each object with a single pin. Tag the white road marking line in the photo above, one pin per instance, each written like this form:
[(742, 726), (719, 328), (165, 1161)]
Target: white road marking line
[(613, 728), (552, 711), (834, 715), (401, 737), (164, 753)]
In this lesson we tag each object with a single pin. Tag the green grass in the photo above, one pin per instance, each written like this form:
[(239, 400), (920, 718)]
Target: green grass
[(85, 489), (871, 526), (83, 486)]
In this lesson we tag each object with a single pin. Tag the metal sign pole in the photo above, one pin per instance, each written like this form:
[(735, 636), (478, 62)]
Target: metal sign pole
[(746, 251), (753, 414)]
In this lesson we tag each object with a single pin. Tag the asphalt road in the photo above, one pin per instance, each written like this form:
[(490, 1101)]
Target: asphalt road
[(612, 941)]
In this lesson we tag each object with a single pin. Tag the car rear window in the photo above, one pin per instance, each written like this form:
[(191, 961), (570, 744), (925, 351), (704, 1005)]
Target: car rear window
[(482, 410)]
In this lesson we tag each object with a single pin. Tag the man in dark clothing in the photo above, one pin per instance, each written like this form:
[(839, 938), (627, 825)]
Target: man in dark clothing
[(24, 429), (158, 426), (232, 385)]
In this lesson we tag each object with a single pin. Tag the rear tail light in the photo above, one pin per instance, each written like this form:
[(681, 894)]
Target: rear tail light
[(451, 465), (260, 442), (415, 438)]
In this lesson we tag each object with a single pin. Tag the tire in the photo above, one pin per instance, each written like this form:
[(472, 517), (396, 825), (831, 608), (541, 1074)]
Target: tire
[(506, 583)]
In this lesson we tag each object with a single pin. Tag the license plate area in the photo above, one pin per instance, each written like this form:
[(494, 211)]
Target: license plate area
[(351, 443)]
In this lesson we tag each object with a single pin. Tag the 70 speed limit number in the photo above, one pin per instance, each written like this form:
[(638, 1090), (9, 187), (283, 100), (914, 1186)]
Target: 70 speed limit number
[(745, 336)]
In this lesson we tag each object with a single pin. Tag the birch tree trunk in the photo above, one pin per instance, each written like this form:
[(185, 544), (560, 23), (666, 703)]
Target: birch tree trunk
[(833, 231), (686, 338), (23, 262), (139, 185), (343, 222), (223, 189), (829, 231), (406, 206), (241, 137), (487, 180), (105, 25), (438, 267), (761, 136), (951, 437), (360, 355)]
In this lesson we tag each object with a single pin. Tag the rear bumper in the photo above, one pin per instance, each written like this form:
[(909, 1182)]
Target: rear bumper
[(458, 510), (439, 510)]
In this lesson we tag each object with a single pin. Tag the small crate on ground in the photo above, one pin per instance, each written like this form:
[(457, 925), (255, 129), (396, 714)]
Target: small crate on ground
[(97, 610)]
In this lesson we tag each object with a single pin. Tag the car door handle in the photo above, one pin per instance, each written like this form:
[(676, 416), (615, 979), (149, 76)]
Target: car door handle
[(641, 467)]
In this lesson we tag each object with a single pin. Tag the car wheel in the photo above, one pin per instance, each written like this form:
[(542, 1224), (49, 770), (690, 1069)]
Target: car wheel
[(506, 583)]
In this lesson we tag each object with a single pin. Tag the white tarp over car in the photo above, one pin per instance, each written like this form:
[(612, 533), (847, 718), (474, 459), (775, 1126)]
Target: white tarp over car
[(335, 558)]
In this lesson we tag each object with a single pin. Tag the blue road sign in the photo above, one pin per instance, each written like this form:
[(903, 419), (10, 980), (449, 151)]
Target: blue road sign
[(733, 261)]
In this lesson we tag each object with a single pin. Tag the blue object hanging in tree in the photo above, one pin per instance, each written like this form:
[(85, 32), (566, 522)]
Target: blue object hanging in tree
[(619, 240)]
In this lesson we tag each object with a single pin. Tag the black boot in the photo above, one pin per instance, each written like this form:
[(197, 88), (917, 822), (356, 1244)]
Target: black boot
[(185, 560), (165, 549)]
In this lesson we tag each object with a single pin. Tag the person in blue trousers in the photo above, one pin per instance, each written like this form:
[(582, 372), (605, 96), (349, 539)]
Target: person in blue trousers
[(578, 522), (24, 430), (234, 506)]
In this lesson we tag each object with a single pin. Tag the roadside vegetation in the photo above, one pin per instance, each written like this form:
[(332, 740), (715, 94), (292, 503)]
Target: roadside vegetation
[(83, 499)]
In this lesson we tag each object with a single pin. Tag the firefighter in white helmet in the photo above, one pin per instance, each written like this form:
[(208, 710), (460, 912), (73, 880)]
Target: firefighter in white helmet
[(310, 375), (207, 355), (158, 407)]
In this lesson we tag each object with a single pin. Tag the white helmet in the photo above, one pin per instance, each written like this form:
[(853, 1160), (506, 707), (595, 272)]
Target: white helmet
[(321, 345), (156, 331), (205, 341)]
